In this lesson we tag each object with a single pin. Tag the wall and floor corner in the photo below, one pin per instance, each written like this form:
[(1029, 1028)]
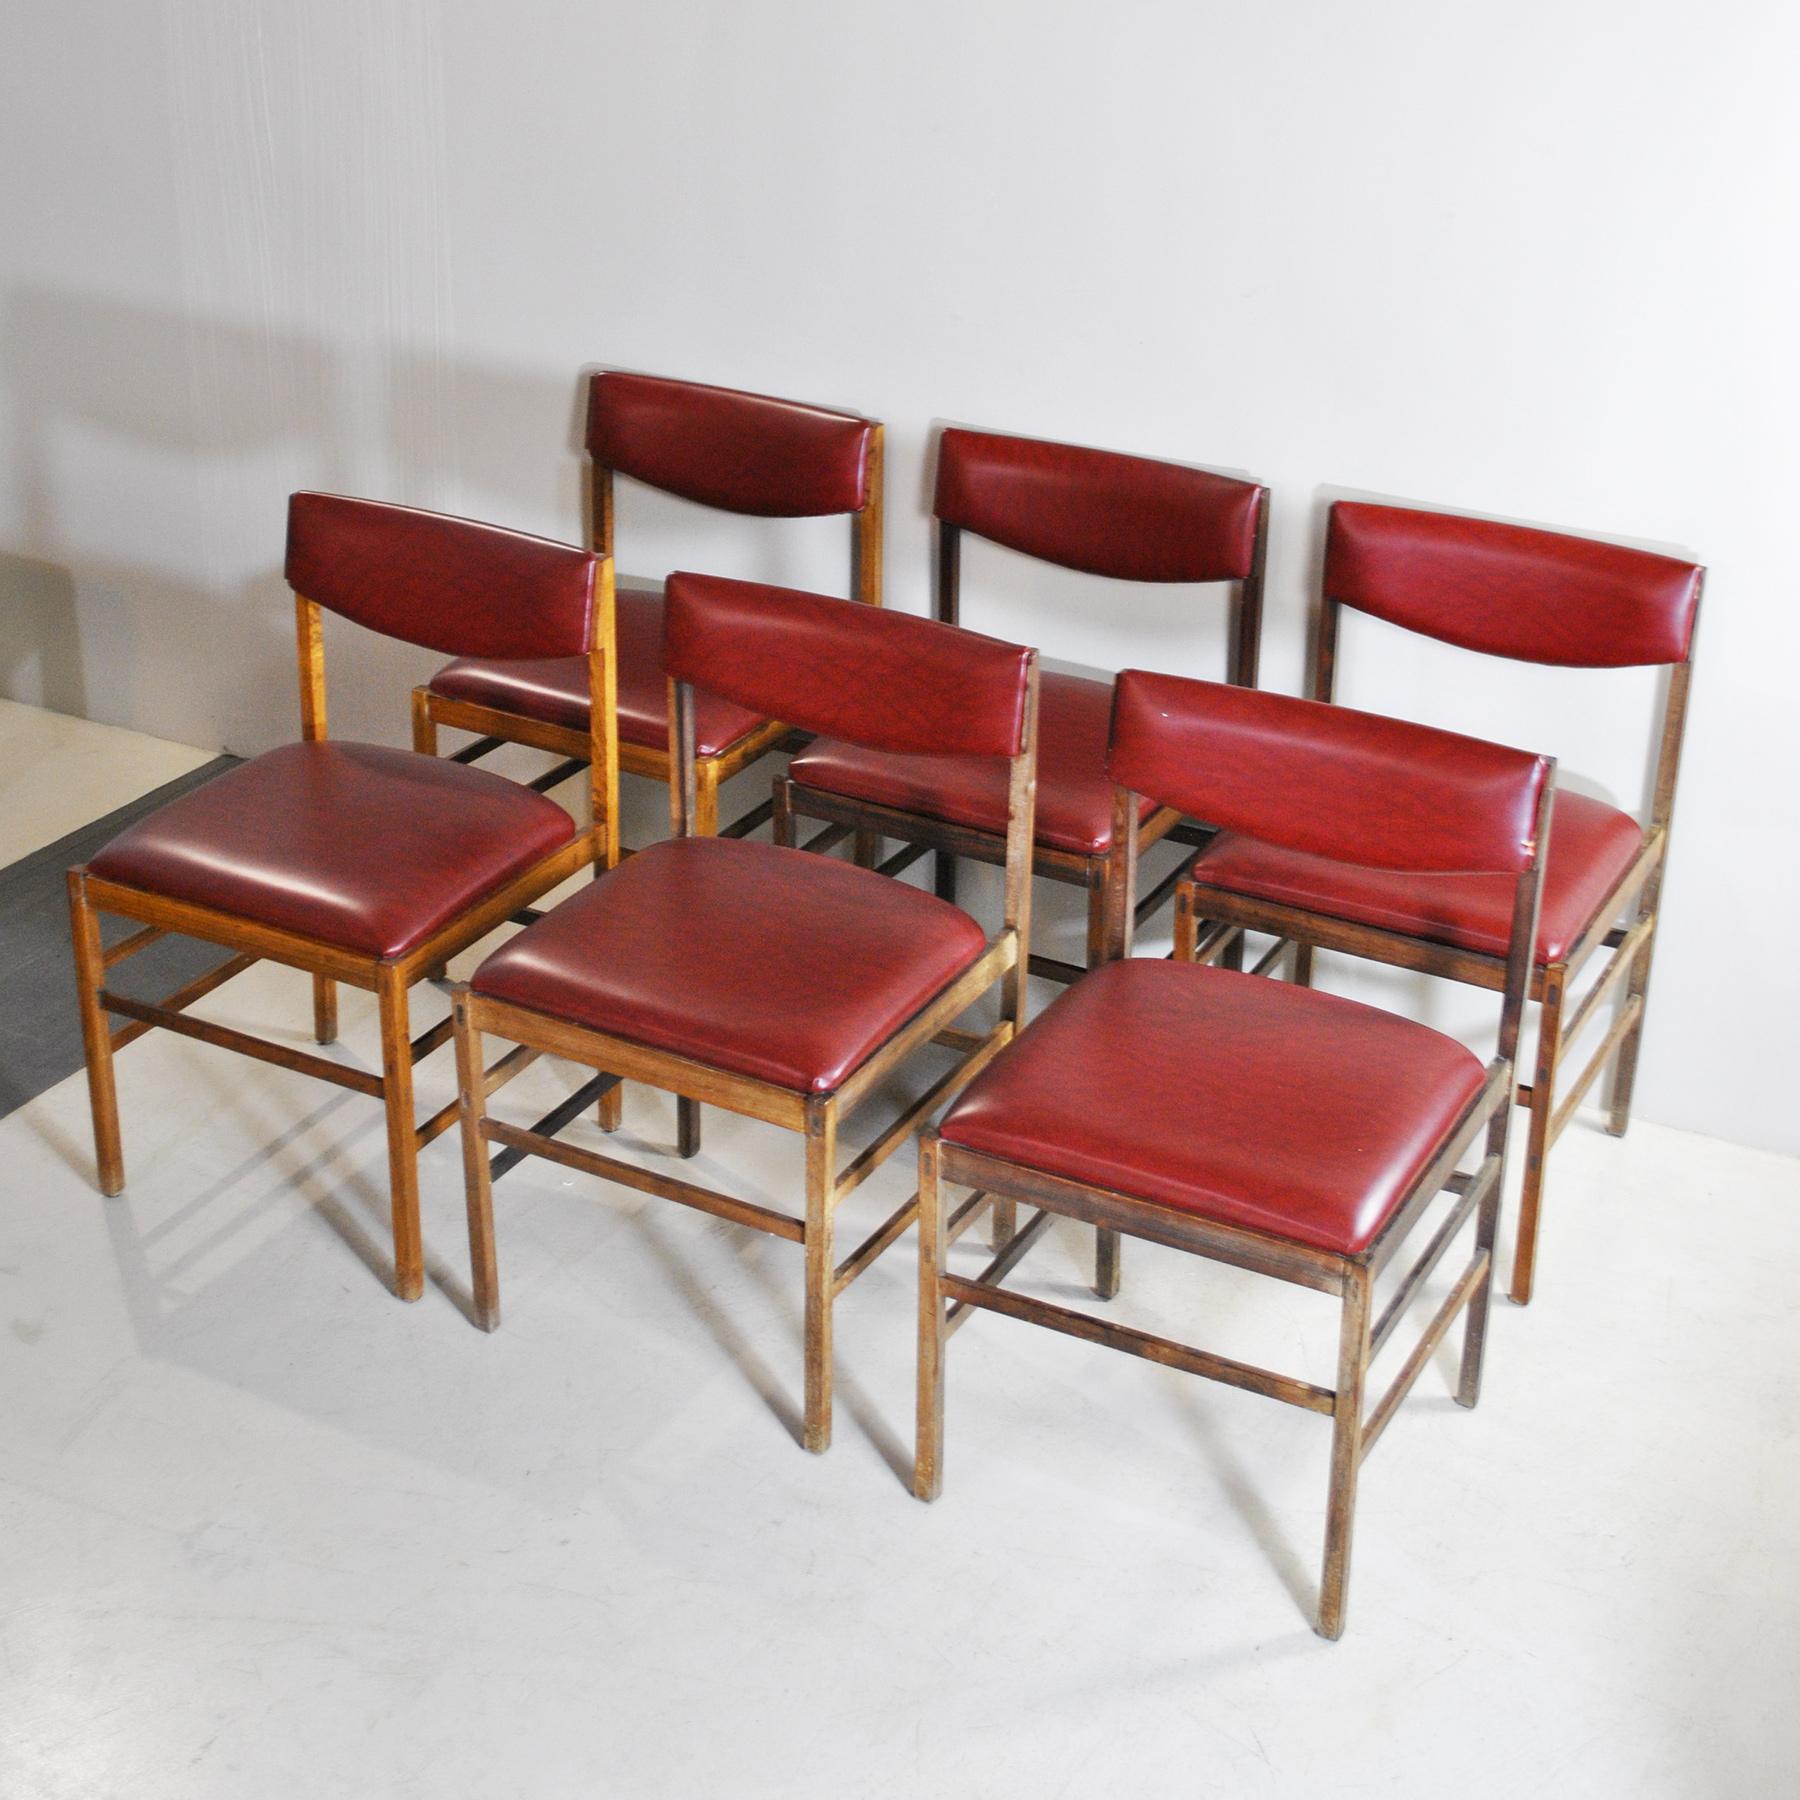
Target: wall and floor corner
[(1533, 261)]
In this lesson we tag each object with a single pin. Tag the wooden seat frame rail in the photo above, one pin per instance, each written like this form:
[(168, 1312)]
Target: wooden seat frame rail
[(946, 1301), (816, 1117), (1097, 872), (493, 727), (1210, 923), (389, 979)]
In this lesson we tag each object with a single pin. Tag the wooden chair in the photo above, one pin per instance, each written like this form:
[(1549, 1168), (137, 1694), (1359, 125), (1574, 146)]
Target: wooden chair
[(736, 452), (1256, 1123), (778, 984), (1532, 596), (1127, 517), (354, 862)]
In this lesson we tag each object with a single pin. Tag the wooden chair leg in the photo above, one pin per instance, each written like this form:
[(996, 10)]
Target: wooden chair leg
[(865, 849), (325, 1009), (687, 1126), (781, 814), (706, 799), (609, 1111), (471, 1084), (943, 879), (424, 726), (402, 1135), (1106, 1240), (1625, 1060), (1537, 1137), (1106, 1262), (821, 1178), (1346, 1451), (1303, 965), (1487, 1228), (1187, 925), (928, 1444), (96, 1036)]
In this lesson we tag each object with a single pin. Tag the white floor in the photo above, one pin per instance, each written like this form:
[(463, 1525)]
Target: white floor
[(265, 1531), (58, 773)]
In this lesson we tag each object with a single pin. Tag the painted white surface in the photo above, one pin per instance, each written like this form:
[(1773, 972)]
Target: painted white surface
[(1531, 261), (58, 773), (267, 1534)]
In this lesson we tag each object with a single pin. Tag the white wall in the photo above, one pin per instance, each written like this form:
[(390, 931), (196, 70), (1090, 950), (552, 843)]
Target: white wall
[(1532, 260)]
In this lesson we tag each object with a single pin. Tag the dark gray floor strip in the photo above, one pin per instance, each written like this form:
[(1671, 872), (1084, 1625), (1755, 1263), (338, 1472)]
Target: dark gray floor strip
[(40, 1034)]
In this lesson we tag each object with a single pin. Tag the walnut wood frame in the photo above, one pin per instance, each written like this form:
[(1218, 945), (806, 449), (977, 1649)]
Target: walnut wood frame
[(1095, 871), (817, 1117), (390, 979), (1547, 1098), (494, 727), (1361, 1337)]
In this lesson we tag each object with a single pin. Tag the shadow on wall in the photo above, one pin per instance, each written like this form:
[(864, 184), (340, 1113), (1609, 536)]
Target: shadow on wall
[(39, 652), (154, 454)]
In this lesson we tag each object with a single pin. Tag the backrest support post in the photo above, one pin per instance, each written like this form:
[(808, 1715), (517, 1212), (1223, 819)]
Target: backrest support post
[(1121, 877), (310, 630), (947, 599), (603, 725), (1247, 610), (683, 791), (866, 527), (1021, 808)]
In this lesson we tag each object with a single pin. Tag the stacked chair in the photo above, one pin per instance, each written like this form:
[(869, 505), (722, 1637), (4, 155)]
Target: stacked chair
[(772, 982), (1250, 1121), (350, 861), (1183, 1101), (749, 454), (1534, 596), (1126, 517)]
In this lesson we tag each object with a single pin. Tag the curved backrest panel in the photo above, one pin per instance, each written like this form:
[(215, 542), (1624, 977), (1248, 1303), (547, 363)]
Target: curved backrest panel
[(1536, 596), (885, 680), (453, 585), (1097, 511), (743, 453), (1324, 779)]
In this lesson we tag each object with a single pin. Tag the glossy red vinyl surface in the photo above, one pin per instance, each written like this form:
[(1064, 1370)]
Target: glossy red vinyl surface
[(883, 679), (1325, 779), (1130, 517), (555, 692), (743, 453), (351, 845), (453, 585), (1592, 846), (1236, 1099), (1074, 791), (1510, 590), (777, 964)]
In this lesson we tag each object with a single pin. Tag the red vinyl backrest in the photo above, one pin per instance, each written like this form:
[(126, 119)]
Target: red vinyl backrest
[(452, 585), (1511, 590), (742, 453), (885, 680), (1352, 786), (1098, 511)]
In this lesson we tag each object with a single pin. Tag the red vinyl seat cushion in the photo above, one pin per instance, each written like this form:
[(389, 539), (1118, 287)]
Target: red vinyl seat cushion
[(1230, 1097), (350, 845), (1591, 848), (778, 964), (554, 691), (1074, 792)]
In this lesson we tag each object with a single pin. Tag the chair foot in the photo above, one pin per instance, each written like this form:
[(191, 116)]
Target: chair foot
[(325, 1009), (687, 1127)]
